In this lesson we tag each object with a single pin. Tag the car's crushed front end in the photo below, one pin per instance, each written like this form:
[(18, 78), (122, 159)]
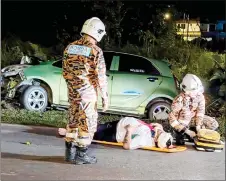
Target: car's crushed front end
[(13, 81), (11, 76)]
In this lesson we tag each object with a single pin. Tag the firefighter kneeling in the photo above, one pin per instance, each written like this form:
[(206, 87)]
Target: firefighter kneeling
[(188, 111)]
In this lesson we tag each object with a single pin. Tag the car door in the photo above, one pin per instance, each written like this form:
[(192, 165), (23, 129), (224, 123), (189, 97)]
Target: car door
[(109, 66), (135, 80), (109, 61), (60, 86)]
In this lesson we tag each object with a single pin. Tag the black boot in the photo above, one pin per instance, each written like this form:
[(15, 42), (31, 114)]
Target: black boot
[(70, 152), (179, 139), (83, 158)]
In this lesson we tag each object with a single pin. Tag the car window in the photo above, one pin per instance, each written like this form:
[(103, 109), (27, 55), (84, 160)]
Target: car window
[(108, 56), (58, 64), (135, 64)]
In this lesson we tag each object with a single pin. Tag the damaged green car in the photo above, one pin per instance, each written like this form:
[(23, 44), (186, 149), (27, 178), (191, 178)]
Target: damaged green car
[(137, 86)]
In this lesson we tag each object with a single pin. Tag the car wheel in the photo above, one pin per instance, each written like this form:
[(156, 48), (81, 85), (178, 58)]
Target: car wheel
[(159, 110), (34, 98)]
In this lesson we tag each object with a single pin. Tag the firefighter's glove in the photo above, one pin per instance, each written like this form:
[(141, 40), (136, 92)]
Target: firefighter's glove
[(190, 133)]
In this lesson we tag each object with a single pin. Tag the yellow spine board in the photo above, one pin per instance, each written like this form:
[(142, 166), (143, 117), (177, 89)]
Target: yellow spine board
[(173, 150)]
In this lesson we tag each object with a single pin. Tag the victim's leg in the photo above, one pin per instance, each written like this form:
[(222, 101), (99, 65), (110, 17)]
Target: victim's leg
[(106, 132), (99, 134)]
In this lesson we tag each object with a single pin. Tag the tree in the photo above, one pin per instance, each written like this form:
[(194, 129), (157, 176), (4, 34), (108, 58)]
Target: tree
[(148, 40), (113, 15), (68, 22)]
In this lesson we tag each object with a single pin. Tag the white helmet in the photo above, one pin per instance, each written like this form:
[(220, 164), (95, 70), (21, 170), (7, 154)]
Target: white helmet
[(94, 27), (164, 140), (192, 83)]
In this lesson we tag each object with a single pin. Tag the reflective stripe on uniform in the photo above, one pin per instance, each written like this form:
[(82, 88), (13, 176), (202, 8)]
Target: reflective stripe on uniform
[(175, 123), (71, 135)]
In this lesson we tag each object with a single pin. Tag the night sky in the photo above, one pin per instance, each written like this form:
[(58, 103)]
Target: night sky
[(31, 20)]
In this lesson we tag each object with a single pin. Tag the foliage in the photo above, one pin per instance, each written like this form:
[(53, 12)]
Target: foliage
[(13, 48), (50, 118), (112, 15), (41, 52), (222, 126), (149, 40)]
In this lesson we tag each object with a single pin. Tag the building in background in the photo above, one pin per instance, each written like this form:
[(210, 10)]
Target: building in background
[(188, 29), (192, 29), (214, 30), (207, 27)]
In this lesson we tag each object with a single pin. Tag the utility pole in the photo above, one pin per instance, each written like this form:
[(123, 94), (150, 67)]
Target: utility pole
[(187, 25), (184, 24)]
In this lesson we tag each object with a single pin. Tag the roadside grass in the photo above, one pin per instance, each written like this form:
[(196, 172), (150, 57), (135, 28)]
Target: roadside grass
[(49, 118), (24, 117), (222, 126)]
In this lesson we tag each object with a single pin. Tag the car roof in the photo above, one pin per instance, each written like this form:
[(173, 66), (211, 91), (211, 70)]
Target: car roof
[(123, 53)]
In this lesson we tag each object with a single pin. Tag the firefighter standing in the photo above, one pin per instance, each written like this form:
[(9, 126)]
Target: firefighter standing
[(84, 71)]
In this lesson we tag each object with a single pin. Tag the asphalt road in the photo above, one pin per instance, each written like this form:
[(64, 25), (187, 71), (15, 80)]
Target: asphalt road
[(44, 160)]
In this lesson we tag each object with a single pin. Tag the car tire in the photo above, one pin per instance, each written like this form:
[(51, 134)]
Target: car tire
[(158, 109), (34, 98)]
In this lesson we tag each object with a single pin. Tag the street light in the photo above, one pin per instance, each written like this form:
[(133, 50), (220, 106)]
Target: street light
[(167, 16)]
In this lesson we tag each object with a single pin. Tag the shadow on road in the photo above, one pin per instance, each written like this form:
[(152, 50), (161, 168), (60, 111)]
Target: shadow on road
[(46, 131), (55, 159)]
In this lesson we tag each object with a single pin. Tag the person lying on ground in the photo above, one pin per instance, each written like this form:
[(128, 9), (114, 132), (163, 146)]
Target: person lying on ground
[(188, 110), (133, 132)]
